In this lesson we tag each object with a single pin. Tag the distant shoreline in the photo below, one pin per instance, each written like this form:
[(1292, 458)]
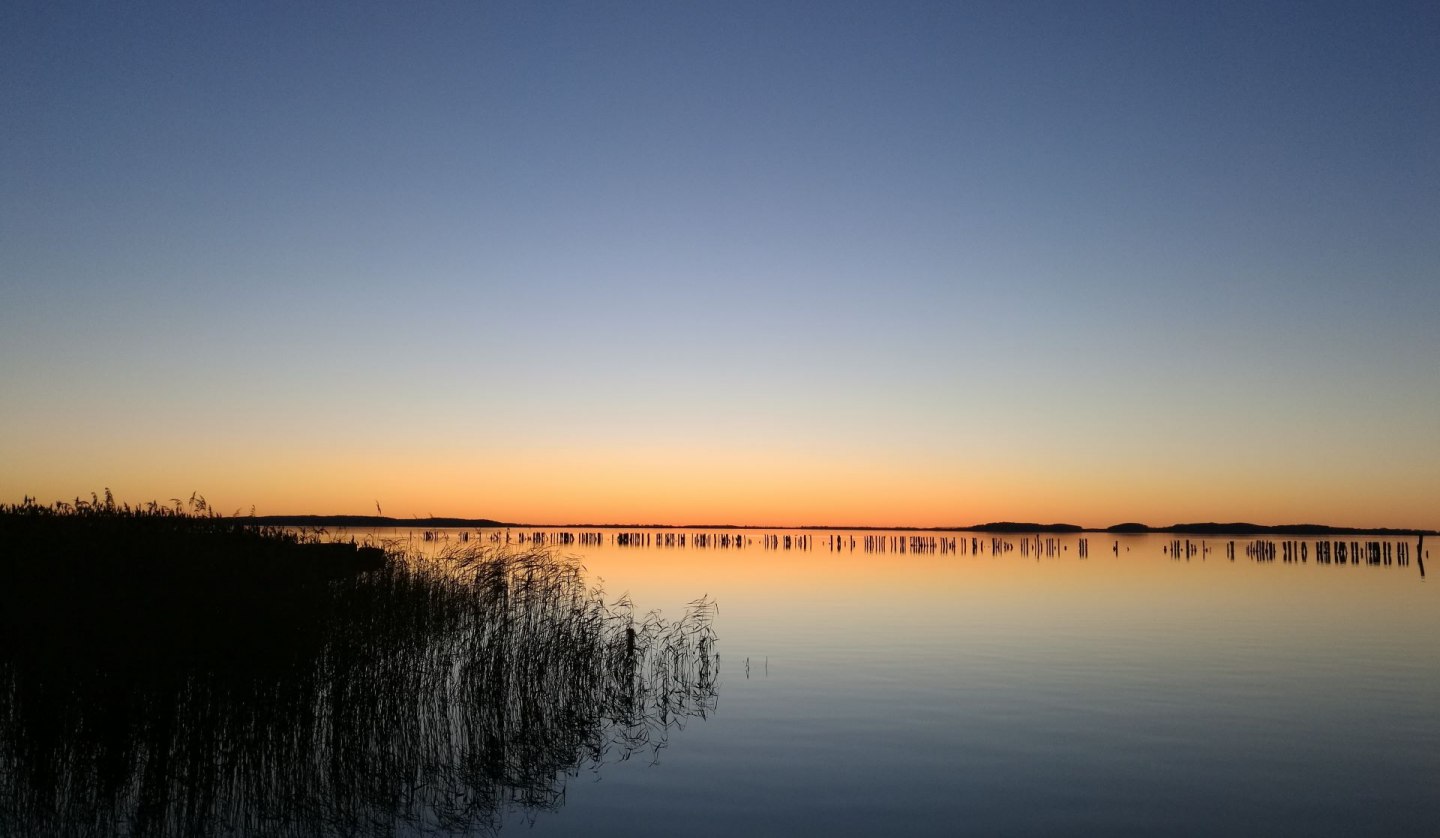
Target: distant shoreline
[(1013, 527)]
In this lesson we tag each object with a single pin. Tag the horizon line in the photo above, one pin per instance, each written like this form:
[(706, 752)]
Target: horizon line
[(1124, 528)]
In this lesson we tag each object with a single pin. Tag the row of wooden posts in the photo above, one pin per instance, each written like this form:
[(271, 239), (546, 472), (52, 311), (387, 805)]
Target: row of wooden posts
[(1330, 552), (1338, 552)]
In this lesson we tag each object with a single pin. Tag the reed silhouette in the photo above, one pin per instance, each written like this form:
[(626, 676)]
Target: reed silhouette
[(181, 691)]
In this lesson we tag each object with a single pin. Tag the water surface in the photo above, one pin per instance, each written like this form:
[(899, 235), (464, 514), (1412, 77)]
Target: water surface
[(1137, 689), (867, 683)]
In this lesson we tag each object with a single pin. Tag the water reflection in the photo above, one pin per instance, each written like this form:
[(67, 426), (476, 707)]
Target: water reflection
[(436, 695), (1024, 686)]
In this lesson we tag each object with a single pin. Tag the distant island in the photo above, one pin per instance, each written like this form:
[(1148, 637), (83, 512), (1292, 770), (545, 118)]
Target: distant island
[(1131, 528), (1242, 528)]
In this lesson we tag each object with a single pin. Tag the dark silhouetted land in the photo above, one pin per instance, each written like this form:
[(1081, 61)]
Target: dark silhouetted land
[(166, 671), (1208, 528)]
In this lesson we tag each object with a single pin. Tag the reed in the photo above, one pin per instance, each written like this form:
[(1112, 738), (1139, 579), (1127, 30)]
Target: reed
[(431, 695)]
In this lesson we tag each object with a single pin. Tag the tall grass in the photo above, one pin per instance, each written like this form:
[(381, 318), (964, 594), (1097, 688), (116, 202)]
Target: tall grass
[(427, 695)]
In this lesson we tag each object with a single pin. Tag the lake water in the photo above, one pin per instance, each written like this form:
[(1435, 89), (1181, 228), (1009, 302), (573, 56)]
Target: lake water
[(1021, 685), (868, 683)]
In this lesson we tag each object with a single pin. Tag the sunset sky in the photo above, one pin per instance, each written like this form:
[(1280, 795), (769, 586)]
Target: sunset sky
[(769, 263)]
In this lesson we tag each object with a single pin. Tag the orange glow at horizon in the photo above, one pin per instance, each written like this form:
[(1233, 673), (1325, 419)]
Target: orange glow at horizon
[(670, 487)]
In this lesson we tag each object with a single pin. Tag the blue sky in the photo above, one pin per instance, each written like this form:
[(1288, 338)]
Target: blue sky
[(1029, 248)]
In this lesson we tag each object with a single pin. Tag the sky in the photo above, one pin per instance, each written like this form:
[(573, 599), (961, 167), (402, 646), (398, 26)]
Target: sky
[(775, 263)]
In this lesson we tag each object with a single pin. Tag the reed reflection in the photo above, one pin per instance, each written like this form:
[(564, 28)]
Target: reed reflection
[(429, 695)]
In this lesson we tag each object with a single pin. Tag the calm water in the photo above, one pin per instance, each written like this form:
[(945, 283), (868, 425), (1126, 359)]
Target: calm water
[(1134, 690), (1011, 686)]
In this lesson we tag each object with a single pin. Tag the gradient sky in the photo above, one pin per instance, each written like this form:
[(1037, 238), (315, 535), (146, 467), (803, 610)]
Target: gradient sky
[(772, 263)]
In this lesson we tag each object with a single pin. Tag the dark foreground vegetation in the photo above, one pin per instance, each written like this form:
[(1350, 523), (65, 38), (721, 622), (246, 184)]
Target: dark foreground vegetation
[(167, 672)]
